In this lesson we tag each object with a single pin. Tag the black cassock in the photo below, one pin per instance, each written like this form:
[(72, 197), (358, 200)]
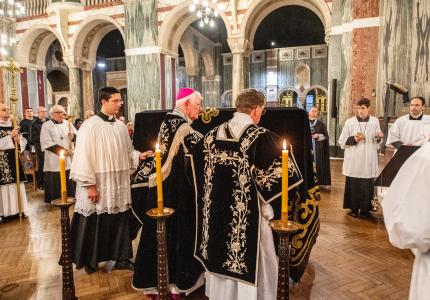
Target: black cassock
[(289, 123), (231, 177), (321, 152), (176, 137)]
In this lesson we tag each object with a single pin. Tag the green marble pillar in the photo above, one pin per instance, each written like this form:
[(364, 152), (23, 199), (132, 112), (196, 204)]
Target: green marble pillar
[(75, 85), (143, 56)]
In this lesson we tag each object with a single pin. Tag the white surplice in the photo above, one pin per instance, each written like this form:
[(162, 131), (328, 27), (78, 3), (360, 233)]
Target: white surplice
[(360, 160), (8, 192), (104, 156), (406, 209), (55, 134), (218, 287), (408, 131)]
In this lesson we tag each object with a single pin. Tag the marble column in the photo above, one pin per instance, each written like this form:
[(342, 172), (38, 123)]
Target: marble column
[(404, 49), (339, 63), (192, 81), (88, 93), (143, 56), (240, 65), (75, 92)]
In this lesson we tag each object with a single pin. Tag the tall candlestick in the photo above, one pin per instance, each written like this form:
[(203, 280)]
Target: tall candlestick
[(63, 177), (284, 210), (159, 179)]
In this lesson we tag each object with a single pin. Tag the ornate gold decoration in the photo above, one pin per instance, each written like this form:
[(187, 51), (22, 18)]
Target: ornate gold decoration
[(208, 113)]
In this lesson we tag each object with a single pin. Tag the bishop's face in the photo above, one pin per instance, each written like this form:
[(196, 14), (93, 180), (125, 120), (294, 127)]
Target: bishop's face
[(362, 111), (112, 106)]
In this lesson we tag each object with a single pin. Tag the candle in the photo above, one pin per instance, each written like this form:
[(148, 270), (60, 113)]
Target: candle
[(63, 177), (159, 179), (284, 210)]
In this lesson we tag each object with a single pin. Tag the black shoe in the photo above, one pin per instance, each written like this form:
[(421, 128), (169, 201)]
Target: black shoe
[(365, 214), (89, 270), (124, 265), (353, 213)]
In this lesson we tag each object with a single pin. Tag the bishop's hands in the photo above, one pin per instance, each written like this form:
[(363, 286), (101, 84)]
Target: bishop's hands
[(146, 154), (93, 193)]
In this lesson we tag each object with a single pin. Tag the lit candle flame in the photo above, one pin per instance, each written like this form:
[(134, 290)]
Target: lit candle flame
[(62, 154), (284, 145), (157, 146)]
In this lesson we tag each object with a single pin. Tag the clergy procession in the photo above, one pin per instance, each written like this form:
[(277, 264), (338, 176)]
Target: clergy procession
[(221, 150)]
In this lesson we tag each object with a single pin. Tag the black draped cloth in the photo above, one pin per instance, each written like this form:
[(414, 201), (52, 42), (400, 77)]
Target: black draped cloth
[(231, 176), (176, 138), (358, 193), (289, 123), (321, 151), (8, 162)]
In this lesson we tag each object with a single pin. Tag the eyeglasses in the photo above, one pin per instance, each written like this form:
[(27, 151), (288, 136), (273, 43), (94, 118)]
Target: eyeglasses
[(263, 112), (117, 101), (58, 112)]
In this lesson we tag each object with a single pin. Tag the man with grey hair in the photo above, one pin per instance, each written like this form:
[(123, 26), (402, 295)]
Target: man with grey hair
[(176, 138), (54, 140)]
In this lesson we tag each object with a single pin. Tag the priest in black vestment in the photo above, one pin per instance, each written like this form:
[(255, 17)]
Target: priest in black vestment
[(176, 138), (237, 173), (320, 143)]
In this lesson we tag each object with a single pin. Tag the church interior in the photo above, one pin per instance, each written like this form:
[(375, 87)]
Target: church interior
[(298, 53)]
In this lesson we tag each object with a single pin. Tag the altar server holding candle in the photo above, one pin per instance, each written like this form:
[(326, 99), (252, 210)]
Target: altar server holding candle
[(360, 137), (54, 138)]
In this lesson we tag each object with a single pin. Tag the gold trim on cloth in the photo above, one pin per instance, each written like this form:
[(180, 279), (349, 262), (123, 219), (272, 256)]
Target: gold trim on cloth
[(208, 113)]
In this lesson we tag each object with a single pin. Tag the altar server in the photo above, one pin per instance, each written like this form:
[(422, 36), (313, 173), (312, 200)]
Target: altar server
[(409, 129), (103, 160), (360, 137)]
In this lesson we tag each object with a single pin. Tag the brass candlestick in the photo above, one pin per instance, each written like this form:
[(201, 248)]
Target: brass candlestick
[(162, 259), (284, 231), (14, 69), (66, 248)]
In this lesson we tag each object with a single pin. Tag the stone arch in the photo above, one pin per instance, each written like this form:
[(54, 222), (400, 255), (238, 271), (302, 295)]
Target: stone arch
[(208, 61), (259, 9), (177, 21), (315, 86), (88, 36), (35, 42), (190, 57)]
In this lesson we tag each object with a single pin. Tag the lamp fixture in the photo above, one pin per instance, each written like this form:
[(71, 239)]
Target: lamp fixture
[(9, 11), (204, 12)]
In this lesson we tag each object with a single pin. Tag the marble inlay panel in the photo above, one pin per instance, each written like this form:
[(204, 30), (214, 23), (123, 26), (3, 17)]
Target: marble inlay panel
[(404, 48), (141, 23), (33, 97), (365, 9), (88, 90), (168, 85), (364, 65), (41, 87), (143, 82), (75, 92), (24, 87), (1, 87)]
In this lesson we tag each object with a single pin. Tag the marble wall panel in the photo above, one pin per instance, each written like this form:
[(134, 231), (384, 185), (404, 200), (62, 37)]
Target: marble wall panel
[(168, 79), (143, 80), (88, 93), (41, 87), (364, 65), (365, 9), (24, 87), (75, 84), (227, 77), (258, 76), (141, 23), (1, 87), (404, 55), (33, 93)]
